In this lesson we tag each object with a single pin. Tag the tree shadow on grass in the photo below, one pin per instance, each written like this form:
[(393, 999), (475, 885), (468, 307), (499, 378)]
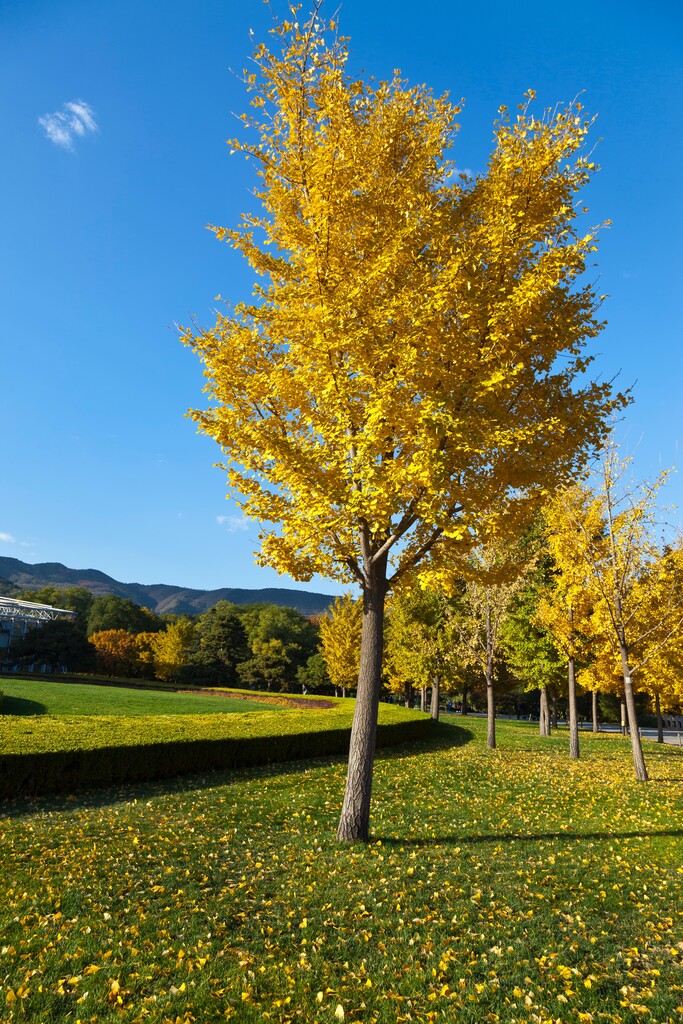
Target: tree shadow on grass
[(441, 737), (522, 837), (10, 705)]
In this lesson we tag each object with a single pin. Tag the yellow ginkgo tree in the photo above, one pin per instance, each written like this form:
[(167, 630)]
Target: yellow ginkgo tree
[(340, 634), (410, 372), (567, 605), (606, 541)]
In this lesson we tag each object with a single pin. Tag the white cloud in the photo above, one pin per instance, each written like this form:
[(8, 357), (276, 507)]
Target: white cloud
[(74, 120), (7, 538), (232, 523)]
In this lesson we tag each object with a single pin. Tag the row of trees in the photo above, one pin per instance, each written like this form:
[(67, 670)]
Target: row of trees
[(589, 597), (589, 593), (261, 645)]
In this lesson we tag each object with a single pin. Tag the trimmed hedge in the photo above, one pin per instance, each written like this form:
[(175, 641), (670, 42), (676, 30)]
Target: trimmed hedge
[(50, 754)]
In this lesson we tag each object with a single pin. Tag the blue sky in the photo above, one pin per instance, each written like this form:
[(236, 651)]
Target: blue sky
[(104, 245)]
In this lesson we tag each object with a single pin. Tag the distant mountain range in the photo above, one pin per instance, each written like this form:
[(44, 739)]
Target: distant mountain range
[(17, 576)]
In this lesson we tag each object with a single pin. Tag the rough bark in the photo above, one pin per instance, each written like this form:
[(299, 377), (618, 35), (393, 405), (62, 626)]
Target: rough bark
[(636, 745), (544, 716), (660, 720), (354, 823), (423, 698), (594, 707), (573, 719), (435, 699), (490, 712)]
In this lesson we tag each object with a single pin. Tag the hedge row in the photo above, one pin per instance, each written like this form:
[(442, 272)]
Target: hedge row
[(143, 749)]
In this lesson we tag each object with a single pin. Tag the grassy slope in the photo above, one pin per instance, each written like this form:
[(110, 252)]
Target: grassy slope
[(500, 886), (37, 697), (73, 732)]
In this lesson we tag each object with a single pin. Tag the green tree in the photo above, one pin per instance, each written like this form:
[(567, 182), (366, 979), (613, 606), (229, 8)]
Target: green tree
[(59, 645), (422, 642), (76, 599), (221, 644), (313, 675), (412, 362), (280, 641), (113, 612), (528, 647)]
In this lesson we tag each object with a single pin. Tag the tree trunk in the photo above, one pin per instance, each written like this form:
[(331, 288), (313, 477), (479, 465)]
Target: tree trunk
[(636, 745), (490, 712), (573, 720), (423, 698), (354, 823), (544, 715), (343, 691), (660, 721), (622, 708), (553, 714), (594, 705), (435, 698), (463, 709)]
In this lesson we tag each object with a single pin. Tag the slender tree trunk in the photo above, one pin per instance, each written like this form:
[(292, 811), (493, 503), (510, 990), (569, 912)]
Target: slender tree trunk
[(354, 823), (423, 698), (594, 706), (636, 745), (490, 711), (573, 720), (435, 698), (660, 721), (463, 709), (544, 715), (553, 715), (622, 709), (343, 691)]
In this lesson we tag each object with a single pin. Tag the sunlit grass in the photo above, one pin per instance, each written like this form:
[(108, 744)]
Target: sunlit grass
[(506, 886), (38, 697)]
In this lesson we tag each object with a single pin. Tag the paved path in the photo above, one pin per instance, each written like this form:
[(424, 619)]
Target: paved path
[(673, 736)]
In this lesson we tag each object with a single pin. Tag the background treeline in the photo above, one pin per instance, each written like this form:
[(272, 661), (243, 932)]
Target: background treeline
[(264, 646), (581, 615)]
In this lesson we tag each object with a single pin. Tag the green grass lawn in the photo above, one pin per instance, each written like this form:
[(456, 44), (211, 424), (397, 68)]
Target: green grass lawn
[(37, 697), (511, 886)]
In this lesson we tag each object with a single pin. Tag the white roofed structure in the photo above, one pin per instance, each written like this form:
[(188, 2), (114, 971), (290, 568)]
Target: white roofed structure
[(16, 617)]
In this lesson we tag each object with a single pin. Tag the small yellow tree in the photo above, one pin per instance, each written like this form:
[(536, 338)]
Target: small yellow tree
[(610, 539), (567, 605), (340, 634), (496, 574), (409, 372), (171, 648)]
